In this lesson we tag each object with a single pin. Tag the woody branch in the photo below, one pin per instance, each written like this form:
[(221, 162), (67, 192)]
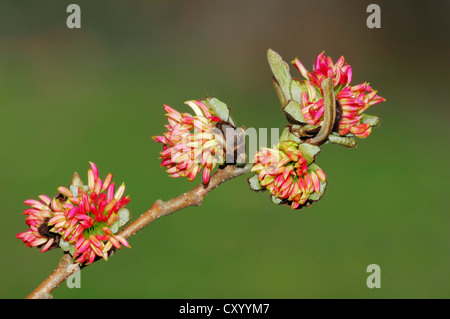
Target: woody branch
[(194, 197)]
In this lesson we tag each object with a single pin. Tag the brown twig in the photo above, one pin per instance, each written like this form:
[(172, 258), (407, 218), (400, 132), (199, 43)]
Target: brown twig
[(61, 273), (194, 197)]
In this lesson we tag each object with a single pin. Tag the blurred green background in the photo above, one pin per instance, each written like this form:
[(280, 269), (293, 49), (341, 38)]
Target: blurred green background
[(69, 96)]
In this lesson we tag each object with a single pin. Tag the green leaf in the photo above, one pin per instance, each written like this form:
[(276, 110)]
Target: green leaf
[(342, 140), (294, 110), (219, 109), (286, 135), (254, 183), (115, 227), (323, 185), (279, 93), (373, 120), (276, 200), (314, 196), (296, 90), (280, 70), (66, 246), (309, 151), (124, 216)]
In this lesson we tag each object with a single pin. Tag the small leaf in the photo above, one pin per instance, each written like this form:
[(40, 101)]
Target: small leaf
[(300, 86), (342, 140), (124, 216), (309, 151), (323, 185), (314, 196), (294, 110), (76, 180), (115, 227), (276, 200), (254, 183), (286, 135), (296, 90), (279, 93), (66, 246), (373, 120), (219, 109), (280, 70), (74, 190)]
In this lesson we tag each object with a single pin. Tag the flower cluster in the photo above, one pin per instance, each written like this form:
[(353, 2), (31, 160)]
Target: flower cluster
[(287, 174), (352, 100), (81, 219), (191, 142)]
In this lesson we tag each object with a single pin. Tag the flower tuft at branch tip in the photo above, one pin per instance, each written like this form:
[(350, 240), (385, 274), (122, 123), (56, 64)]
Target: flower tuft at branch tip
[(351, 101), (289, 174), (82, 219), (192, 142)]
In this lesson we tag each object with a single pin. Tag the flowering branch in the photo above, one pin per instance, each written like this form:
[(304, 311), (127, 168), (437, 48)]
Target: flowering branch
[(85, 220), (194, 197)]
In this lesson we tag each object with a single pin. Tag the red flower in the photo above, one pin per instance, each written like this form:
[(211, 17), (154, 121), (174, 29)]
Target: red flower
[(288, 175), (90, 217), (83, 220), (352, 100), (191, 143)]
